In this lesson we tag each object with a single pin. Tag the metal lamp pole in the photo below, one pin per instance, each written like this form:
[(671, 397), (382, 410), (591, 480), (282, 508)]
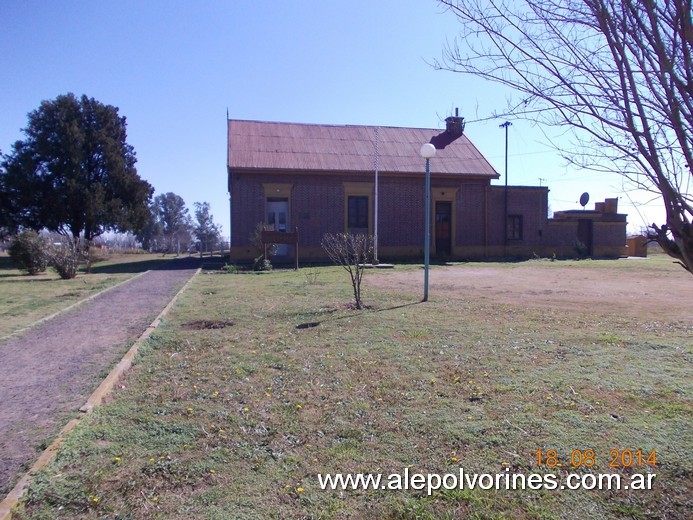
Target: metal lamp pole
[(427, 152)]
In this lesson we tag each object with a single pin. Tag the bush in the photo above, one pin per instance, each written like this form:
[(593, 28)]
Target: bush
[(229, 269), (581, 250), (262, 264), (28, 252), (256, 239), (64, 258)]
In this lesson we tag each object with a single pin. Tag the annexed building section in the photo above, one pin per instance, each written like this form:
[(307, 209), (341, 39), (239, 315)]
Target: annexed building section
[(321, 179), (600, 233)]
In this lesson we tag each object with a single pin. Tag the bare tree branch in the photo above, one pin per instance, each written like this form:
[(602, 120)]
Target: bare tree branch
[(617, 73), (352, 252)]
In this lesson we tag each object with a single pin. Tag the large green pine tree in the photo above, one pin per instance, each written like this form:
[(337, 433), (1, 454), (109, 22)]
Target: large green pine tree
[(74, 173)]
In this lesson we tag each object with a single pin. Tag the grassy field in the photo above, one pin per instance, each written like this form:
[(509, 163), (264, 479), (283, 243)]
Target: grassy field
[(255, 384), (25, 299)]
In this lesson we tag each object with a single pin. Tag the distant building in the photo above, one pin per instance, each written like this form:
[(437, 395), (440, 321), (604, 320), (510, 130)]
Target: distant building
[(320, 179)]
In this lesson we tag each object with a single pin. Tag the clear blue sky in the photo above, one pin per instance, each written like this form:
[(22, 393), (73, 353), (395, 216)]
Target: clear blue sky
[(174, 68)]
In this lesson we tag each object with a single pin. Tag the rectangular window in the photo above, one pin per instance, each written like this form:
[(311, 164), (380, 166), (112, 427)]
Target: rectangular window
[(357, 216), (514, 227)]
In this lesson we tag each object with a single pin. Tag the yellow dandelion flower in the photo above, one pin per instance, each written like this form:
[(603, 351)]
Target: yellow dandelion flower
[(267, 394), (453, 459), (298, 407), (299, 489), (212, 471), (189, 410), (246, 409), (151, 460), (116, 459)]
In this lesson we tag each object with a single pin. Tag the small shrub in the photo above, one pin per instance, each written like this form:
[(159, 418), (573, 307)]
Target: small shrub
[(28, 252), (256, 240), (262, 264), (352, 252), (64, 258), (580, 248), (312, 278), (93, 256), (229, 269)]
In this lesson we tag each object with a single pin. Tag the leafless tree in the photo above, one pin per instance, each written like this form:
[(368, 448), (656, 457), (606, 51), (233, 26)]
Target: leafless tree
[(616, 73), (352, 252)]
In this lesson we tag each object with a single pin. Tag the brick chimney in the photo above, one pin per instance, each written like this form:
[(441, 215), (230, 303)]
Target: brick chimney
[(454, 125)]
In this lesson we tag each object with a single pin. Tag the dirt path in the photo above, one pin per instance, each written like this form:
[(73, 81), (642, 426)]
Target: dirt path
[(48, 372)]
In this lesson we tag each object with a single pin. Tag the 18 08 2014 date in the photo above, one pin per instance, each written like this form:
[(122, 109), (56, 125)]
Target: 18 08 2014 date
[(588, 458)]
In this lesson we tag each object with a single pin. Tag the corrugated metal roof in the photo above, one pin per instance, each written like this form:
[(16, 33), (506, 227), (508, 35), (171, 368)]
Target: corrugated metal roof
[(346, 148)]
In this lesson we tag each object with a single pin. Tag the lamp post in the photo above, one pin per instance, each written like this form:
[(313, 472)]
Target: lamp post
[(427, 151)]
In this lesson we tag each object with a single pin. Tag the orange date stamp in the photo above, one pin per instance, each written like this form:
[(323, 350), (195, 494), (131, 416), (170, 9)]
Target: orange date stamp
[(588, 459)]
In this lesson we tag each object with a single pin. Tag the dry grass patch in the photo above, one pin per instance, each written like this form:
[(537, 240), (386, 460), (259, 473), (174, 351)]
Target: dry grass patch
[(237, 422)]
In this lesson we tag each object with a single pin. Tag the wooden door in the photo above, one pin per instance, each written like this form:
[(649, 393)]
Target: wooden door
[(443, 229)]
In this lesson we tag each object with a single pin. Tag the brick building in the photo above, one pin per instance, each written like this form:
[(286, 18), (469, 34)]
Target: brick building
[(321, 179)]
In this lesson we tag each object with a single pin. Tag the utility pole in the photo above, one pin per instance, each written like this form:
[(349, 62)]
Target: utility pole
[(375, 209), (505, 224)]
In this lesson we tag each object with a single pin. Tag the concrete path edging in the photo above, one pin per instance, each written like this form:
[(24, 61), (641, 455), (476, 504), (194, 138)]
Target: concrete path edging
[(12, 499)]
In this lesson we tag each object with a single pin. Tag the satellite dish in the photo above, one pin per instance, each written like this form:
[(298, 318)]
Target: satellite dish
[(584, 199)]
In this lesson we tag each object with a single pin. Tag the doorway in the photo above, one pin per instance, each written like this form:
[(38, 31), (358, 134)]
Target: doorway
[(278, 220), (443, 230), (584, 235)]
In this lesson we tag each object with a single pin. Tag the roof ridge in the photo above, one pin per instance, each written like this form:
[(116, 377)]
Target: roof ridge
[(332, 125)]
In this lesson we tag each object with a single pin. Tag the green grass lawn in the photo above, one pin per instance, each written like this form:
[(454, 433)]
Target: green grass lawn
[(26, 299), (232, 411)]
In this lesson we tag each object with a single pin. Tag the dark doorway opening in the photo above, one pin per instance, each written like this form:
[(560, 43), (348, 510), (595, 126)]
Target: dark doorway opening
[(443, 231), (584, 235)]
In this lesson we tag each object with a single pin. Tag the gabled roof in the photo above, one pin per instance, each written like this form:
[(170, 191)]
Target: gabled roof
[(259, 145)]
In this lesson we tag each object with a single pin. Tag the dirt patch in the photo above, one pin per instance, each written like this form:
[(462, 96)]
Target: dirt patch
[(206, 325), (629, 287)]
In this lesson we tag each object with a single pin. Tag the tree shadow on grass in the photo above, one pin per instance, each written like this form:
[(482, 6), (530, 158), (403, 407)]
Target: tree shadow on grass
[(129, 267), (6, 264), (165, 264), (9, 270), (312, 324)]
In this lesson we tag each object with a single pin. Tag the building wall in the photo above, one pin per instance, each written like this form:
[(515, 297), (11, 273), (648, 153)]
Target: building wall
[(471, 216), (529, 202), (317, 206)]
